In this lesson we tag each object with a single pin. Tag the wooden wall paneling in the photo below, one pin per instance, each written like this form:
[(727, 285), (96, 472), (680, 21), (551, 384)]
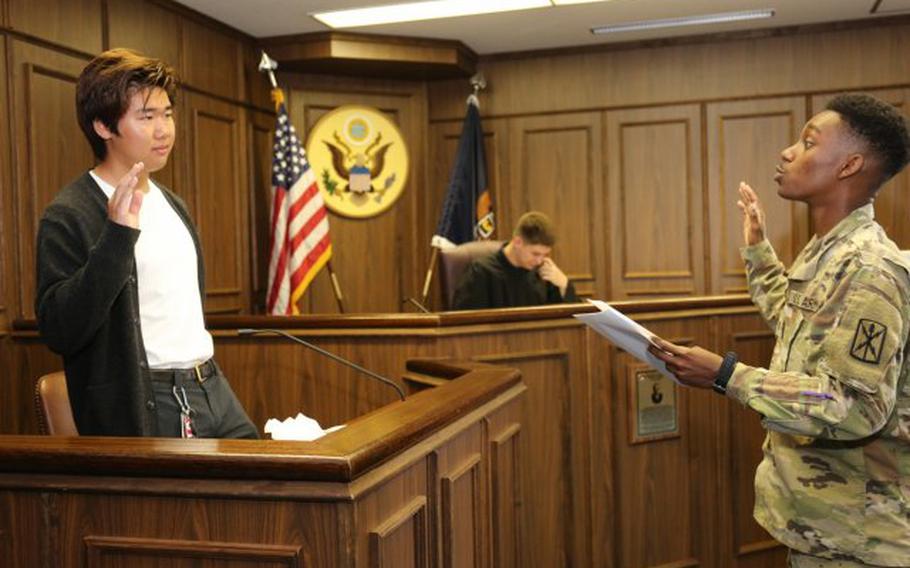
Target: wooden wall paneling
[(147, 28), (393, 522), (7, 205), (656, 226), (555, 528), (462, 503), (75, 24), (177, 531), (50, 151), (744, 141), (26, 360), (726, 67), (892, 202), (505, 497), (443, 147), (7, 521), (113, 552), (276, 378), (212, 60), (26, 520), (218, 193), (261, 128), (555, 166), (377, 259), (603, 440), (743, 542), (666, 501)]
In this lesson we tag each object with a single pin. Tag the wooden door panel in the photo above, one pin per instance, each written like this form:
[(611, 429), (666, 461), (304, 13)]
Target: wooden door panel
[(51, 150), (655, 201), (744, 142), (555, 166)]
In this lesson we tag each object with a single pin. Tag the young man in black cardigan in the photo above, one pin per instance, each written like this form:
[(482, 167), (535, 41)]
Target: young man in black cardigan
[(120, 271)]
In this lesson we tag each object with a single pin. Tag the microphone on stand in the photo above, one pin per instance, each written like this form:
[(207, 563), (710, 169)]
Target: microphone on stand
[(330, 355)]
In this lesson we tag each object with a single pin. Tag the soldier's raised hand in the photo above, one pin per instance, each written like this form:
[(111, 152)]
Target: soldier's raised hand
[(753, 215)]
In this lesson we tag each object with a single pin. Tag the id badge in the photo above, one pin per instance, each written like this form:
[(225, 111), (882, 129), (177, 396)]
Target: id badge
[(187, 429)]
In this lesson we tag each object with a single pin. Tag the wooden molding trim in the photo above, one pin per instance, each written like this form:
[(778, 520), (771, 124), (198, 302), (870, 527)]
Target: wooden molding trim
[(504, 449), (704, 38), (357, 54), (416, 510), (471, 470), (26, 328), (365, 443), (198, 17), (97, 547)]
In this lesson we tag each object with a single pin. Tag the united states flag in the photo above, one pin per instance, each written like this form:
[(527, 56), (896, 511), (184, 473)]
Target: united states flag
[(299, 241)]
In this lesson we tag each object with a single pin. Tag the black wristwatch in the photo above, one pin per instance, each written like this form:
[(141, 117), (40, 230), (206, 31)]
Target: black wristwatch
[(725, 372)]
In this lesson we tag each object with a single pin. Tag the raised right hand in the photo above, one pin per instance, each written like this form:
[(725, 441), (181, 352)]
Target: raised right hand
[(124, 204), (753, 215)]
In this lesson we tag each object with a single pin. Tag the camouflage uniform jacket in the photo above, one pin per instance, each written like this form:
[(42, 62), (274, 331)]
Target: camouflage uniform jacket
[(835, 478)]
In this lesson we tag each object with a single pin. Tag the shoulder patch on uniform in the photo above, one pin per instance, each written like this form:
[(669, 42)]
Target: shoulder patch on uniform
[(868, 341)]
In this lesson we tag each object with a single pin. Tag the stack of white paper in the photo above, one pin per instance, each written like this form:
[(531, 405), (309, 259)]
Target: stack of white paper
[(625, 334)]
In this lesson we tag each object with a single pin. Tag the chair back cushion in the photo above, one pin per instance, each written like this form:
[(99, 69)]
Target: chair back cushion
[(55, 416), (454, 261)]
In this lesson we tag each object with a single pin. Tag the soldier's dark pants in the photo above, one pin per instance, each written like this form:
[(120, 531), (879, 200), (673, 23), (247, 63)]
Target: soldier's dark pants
[(216, 411)]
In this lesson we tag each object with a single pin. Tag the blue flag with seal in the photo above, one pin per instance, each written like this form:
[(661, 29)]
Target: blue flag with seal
[(467, 211)]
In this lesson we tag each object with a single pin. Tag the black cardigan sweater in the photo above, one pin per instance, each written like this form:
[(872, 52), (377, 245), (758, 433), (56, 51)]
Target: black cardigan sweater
[(87, 305)]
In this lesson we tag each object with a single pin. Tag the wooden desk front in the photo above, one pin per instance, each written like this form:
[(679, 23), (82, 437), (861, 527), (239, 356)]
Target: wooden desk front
[(414, 483), (595, 493)]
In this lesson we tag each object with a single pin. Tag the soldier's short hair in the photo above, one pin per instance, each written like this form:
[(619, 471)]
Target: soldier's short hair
[(535, 228), (106, 85), (880, 126)]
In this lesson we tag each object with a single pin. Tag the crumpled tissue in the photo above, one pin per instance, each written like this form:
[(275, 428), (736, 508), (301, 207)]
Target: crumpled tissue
[(301, 428)]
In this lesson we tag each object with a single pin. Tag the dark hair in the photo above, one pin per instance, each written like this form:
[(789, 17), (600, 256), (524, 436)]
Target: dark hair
[(108, 82), (535, 228), (878, 124)]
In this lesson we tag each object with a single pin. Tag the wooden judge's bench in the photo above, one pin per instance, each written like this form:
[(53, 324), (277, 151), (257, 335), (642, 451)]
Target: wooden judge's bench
[(583, 457)]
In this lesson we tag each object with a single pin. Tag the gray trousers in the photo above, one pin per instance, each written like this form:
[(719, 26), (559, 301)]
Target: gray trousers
[(216, 411)]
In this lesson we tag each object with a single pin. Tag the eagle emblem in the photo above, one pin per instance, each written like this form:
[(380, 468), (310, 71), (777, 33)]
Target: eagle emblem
[(360, 158), (360, 167)]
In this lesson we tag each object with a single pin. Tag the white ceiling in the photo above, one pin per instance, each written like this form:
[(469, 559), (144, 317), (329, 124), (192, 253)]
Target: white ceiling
[(542, 28)]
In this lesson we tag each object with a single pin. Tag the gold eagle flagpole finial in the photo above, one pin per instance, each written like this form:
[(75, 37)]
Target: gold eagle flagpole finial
[(269, 65)]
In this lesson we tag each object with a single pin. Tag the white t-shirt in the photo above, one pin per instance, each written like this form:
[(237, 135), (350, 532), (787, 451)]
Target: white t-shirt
[(170, 307)]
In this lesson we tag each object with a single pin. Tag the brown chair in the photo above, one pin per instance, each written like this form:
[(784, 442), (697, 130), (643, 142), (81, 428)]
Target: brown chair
[(52, 401), (454, 261)]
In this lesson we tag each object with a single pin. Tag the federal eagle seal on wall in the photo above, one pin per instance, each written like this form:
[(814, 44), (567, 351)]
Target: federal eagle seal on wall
[(360, 160)]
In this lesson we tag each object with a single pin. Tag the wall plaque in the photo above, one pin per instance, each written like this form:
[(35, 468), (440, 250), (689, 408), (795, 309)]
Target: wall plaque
[(654, 409)]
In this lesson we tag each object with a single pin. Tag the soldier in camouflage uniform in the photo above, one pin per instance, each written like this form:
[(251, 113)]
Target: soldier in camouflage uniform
[(834, 484)]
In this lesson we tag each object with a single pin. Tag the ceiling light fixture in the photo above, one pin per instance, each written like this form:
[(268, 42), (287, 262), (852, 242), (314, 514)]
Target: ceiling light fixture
[(567, 2), (720, 18), (415, 11)]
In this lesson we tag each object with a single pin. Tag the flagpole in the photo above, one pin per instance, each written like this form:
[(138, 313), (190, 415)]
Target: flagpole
[(336, 287), (268, 65), (434, 257)]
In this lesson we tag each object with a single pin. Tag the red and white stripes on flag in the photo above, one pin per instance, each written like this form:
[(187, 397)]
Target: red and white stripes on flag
[(299, 244)]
